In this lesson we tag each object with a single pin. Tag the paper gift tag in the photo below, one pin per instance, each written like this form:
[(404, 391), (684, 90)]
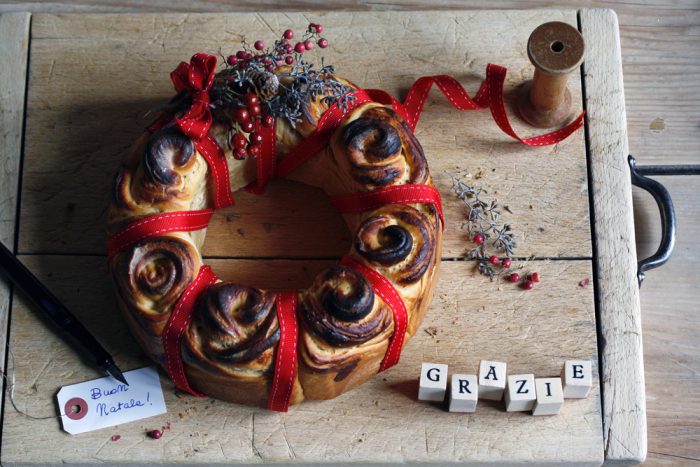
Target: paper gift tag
[(107, 402)]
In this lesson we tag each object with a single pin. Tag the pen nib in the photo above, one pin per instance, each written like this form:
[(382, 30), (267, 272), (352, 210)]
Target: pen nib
[(116, 373)]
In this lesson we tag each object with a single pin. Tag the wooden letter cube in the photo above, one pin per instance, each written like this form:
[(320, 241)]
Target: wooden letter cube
[(464, 391), (520, 393), (550, 396), (492, 380), (433, 382), (577, 376)]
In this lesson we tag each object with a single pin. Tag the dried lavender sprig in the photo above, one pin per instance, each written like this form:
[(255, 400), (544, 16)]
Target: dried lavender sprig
[(482, 220)]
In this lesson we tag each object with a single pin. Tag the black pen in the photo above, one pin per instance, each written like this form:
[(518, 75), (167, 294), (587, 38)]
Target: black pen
[(39, 295)]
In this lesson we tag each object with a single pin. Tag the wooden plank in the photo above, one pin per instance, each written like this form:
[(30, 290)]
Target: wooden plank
[(671, 325), (471, 318), (67, 184), (619, 320), (14, 37)]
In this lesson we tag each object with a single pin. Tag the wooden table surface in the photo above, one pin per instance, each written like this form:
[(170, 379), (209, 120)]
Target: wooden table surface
[(661, 58)]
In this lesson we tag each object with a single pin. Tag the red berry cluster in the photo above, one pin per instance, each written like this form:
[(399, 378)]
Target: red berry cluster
[(529, 280), (248, 118), (282, 53)]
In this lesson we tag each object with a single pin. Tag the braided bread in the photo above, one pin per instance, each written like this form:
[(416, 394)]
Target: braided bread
[(229, 348)]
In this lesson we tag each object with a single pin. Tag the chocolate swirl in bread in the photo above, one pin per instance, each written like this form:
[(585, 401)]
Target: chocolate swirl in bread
[(340, 308), (152, 275), (234, 325), (399, 240), (382, 151), (344, 333), (167, 151)]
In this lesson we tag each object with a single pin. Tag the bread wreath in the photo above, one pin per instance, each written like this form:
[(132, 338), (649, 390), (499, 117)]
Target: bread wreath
[(230, 345)]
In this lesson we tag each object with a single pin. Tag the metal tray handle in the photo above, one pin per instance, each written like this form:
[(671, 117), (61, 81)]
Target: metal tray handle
[(668, 219)]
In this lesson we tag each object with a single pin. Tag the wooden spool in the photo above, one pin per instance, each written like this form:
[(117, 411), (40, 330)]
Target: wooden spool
[(555, 49)]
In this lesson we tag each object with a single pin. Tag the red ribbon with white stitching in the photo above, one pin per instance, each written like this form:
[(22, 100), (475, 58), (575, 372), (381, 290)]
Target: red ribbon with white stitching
[(318, 140), (391, 297), (286, 360), (179, 321), (398, 194), (267, 159), (490, 95), (196, 79), (159, 224)]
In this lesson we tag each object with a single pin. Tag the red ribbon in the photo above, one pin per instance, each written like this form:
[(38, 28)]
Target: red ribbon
[(159, 224), (266, 159), (391, 297), (398, 194), (179, 321), (196, 79), (318, 140), (286, 360)]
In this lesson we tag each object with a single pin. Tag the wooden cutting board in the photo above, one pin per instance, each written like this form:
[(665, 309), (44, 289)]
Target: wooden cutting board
[(91, 78)]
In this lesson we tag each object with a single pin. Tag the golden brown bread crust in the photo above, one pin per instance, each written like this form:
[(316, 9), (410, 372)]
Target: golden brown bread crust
[(344, 328)]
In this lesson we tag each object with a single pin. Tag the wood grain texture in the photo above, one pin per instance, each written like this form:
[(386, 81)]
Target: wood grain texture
[(79, 65), (670, 325), (660, 53), (619, 318), (471, 318), (14, 37)]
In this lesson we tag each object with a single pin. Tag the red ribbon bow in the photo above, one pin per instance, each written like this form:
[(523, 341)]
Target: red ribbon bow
[(196, 78)]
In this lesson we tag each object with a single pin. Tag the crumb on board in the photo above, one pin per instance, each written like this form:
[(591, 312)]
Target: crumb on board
[(431, 331), (584, 282)]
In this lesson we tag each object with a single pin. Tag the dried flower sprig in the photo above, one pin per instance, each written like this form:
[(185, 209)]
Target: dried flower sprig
[(493, 238), (283, 91)]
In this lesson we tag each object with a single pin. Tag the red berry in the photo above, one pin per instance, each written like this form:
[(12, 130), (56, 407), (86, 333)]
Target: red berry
[(155, 434), (240, 153), (495, 260), (250, 99), (240, 55), (319, 28), (528, 285), (479, 238), (515, 277), (248, 56), (312, 27), (254, 149), (268, 121), (259, 45), (241, 115), (535, 277), (323, 43), (506, 263), (299, 48), (247, 126), (288, 48), (288, 59), (116, 437), (256, 138), (232, 60), (254, 109), (239, 141), (308, 45), (288, 34)]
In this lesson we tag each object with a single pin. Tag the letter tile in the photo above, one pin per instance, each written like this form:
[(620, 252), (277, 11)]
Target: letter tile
[(433, 382), (464, 392), (550, 396), (577, 376), (492, 380), (520, 393)]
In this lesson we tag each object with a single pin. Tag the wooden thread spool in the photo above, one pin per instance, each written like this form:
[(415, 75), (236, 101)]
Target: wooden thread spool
[(555, 49)]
